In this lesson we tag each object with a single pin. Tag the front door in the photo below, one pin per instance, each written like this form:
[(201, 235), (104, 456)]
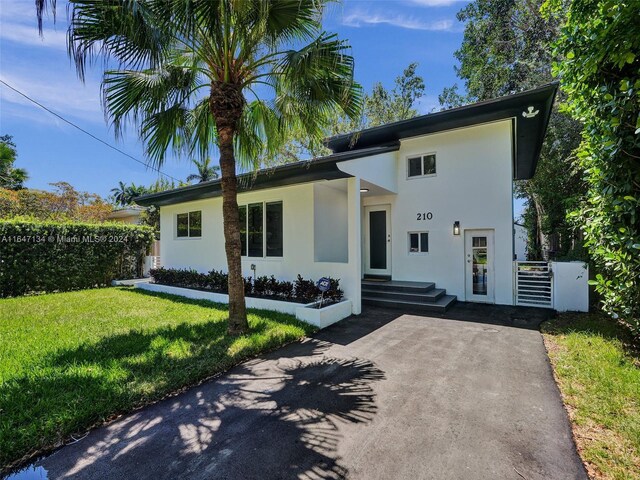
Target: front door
[(378, 240), (479, 266)]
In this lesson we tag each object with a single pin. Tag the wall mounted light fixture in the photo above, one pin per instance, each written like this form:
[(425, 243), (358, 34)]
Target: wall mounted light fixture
[(456, 227), (364, 190)]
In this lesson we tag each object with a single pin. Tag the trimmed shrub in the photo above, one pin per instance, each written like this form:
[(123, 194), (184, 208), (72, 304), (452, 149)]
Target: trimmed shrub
[(302, 291), (39, 256)]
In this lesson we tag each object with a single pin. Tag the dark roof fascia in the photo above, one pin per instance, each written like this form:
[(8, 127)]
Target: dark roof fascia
[(323, 168), (529, 137)]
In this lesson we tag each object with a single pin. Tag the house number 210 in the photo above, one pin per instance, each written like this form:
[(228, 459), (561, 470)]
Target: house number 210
[(425, 216)]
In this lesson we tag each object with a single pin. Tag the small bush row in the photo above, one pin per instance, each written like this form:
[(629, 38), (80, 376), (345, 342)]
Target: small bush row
[(301, 290)]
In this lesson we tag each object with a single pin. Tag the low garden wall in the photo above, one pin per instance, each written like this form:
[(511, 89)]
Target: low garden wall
[(299, 298), (40, 256)]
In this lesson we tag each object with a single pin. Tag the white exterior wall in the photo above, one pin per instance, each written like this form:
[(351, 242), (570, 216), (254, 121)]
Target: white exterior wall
[(473, 185), (207, 252), (570, 286)]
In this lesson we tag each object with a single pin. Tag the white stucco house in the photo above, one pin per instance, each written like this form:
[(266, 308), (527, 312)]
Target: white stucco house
[(419, 210)]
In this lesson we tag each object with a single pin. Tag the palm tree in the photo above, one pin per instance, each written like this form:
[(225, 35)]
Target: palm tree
[(235, 74), (120, 195), (206, 171)]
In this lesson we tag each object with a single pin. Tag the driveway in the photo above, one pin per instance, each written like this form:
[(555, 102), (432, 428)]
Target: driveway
[(382, 396)]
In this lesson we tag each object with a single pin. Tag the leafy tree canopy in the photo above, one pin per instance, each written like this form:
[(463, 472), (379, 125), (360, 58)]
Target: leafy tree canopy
[(599, 46), (10, 177)]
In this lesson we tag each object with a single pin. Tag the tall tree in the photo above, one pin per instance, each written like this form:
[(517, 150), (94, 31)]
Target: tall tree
[(11, 178), (507, 48), (234, 73), (600, 72), (383, 106), (205, 171), (120, 194)]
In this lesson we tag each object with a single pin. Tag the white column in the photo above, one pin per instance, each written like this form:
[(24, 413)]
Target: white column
[(355, 244)]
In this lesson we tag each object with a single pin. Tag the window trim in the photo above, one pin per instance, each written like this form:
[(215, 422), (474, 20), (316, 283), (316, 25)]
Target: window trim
[(423, 175), (419, 252), (264, 256), (188, 236)]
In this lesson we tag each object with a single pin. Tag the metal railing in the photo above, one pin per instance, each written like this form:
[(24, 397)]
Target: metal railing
[(534, 284)]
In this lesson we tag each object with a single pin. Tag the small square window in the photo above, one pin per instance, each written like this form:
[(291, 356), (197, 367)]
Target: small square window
[(429, 162), (418, 242), (421, 166), (415, 166), (189, 224)]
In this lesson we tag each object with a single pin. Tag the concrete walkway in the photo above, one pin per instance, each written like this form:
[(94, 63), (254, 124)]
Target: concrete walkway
[(382, 396)]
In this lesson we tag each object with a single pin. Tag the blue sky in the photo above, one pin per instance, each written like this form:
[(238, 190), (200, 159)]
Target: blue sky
[(385, 37)]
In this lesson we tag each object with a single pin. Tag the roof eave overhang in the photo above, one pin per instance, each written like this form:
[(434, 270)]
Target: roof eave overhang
[(529, 129), (324, 168)]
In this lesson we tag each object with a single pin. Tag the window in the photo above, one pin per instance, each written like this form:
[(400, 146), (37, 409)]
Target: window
[(261, 229), (189, 224), (422, 165), (418, 242), (274, 229)]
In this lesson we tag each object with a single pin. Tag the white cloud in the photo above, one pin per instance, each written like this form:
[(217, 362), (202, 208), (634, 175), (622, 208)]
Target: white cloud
[(65, 96), (359, 19), (28, 35)]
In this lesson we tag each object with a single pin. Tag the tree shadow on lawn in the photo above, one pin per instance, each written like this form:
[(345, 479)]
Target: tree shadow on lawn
[(265, 419), (86, 385)]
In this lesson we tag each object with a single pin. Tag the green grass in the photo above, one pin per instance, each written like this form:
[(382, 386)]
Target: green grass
[(598, 371), (69, 361)]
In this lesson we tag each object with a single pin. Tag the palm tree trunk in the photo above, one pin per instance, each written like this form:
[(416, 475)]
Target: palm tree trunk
[(227, 103)]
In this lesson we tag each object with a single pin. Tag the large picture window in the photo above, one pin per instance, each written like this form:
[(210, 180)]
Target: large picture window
[(189, 224), (261, 229), (421, 165)]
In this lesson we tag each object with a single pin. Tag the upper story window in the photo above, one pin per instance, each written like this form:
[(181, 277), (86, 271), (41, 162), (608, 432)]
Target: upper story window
[(261, 229), (189, 224), (421, 165)]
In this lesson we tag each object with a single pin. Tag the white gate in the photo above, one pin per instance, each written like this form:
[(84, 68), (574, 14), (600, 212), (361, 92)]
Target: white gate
[(534, 284)]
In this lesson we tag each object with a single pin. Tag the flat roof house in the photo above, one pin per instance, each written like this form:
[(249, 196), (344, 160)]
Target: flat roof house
[(424, 201)]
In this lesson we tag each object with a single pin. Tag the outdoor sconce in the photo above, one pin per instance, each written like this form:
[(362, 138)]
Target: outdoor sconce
[(456, 227), (364, 190)]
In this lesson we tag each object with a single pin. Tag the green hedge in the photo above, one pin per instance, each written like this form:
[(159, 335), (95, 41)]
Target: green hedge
[(301, 290), (37, 256)]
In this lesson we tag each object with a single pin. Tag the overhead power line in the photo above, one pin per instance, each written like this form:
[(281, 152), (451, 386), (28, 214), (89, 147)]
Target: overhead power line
[(87, 132)]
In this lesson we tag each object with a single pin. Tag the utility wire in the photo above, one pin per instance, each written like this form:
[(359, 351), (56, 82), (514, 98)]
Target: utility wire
[(87, 133)]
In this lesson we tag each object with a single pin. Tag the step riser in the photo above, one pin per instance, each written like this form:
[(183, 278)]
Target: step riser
[(422, 307), (400, 289), (431, 296)]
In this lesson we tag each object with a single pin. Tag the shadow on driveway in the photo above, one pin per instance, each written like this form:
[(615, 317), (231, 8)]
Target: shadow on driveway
[(261, 420)]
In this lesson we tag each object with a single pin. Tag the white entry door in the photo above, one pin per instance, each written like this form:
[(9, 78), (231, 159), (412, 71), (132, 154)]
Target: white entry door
[(479, 277), (377, 240)]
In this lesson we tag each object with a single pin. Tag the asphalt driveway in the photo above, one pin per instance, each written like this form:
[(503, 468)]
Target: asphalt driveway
[(382, 396)]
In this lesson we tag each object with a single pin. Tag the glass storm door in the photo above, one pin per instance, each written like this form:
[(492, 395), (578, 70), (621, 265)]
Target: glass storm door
[(378, 240), (479, 266)]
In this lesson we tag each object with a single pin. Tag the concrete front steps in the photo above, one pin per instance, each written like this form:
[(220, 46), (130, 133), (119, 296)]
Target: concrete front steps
[(419, 296)]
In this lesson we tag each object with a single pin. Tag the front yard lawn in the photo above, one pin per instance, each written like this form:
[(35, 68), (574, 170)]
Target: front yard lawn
[(69, 361), (598, 371)]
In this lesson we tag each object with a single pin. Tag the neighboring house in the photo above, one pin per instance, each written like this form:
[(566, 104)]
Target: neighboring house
[(520, 239), (128, 214), (422, 200)]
